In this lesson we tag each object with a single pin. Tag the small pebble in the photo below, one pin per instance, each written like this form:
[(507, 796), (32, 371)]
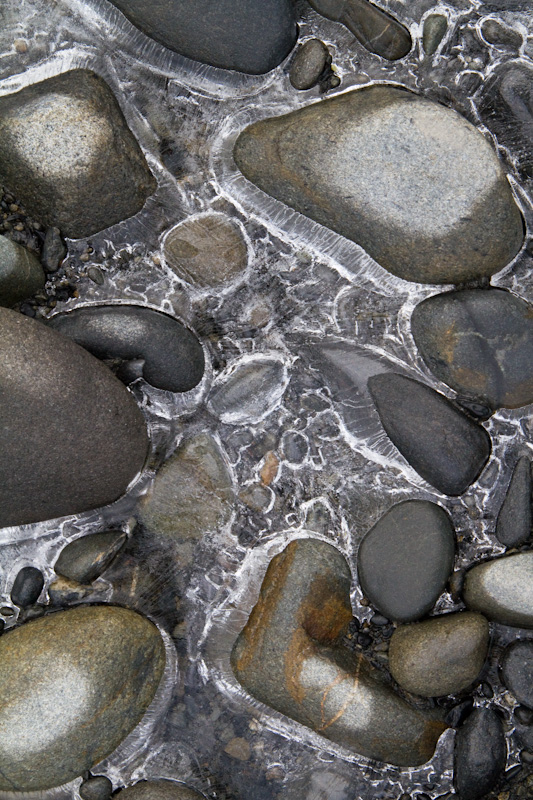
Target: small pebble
[(517, 671), (27, 587), (96, 275), (310, 62), (238, 748), (54, 250), (21, 46), (97, 788)]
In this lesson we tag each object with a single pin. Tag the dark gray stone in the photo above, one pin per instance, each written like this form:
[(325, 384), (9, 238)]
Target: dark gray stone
[(54, 250), (373, 28), (72, 686), (84, 559), (358, 163), (68, 154), (295, 447), (513, 526), (517, 671), (251, 36), (158, 790), (97, 788), (479, 342), (309, 64), (289, 656), (435, 27), (27, 587), (442, 444), (68, 423), (502, 589), (21, 275), (500, 35), (480, 754), (405, 560), (171, 355)]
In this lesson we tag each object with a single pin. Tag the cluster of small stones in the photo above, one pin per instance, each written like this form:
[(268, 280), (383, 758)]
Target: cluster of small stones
[(75, 679)]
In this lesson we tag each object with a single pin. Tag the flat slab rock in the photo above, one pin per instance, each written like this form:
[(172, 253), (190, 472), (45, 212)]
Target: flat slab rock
[(502, 589), (411, 181), (72, 686), (479, 342), (159, 790), (67, 422), (66, 151)]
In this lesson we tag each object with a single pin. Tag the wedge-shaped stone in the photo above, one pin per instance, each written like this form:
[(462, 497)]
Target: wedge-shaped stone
[(502, 589), (158, 790), (513, 526), (72, 436), (72, 686), (21, 275), (442, 444), (66, 151), (289, 656), (412, 182), (251, 36)]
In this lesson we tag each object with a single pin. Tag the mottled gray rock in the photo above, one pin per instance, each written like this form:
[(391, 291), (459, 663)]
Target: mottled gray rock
[(502, 589), (309, 64), (373, 28), (443, 655), (168, 354), (206, 250), (84, 559), (249, 390), (513, 526), (27, 587), (435, 27), (158, 790), (67, 423), (480, 754), (192, 492), (97, 788), (21, 275), (251, 36), (72, 686), (500, 35), (289, 657), (68, 154), (54, 250), (412, 182), (442, 444), (517, 671), (295, 447), (405, 560), (479, 342)]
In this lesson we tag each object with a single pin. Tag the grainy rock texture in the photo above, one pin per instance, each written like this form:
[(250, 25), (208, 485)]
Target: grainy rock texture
[(158, 790), (21, 275), (513, 526), (435, 27), (480, 754), (309, 64), (517, 671), (502, 589), (84, 559)]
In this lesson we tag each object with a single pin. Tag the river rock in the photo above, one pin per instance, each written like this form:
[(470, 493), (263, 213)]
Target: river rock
[(84, 559), (169, 354), (435, 27), (249, 390), (412, 182), (68, 154), (159, 790), (500, 35), (405, 560), (192, 492), (480, 754), (252, 36), (67, 423), (97, 788), (479, 342), (72, 686), (289, 657), (21, 275), (442, 444), (502, 589), (309, 64), (54, 250), (27, 587), (443, 655), (513, 526), (517, 671)]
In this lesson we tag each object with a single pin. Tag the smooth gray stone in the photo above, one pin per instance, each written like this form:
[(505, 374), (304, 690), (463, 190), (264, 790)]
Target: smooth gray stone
[(404, 561), (54, 250), (443, 655), (97, 788), (84, 559), (72, 686), (250, 393), (500, 35), (252, 36), (309, 64), (435, 27), (27, 587), (373, 28), (358, 163), (517, 671), (171, 355), (21, 275), (289, 657), (66, 151), (502, 589), (513, 526), (68, 425), (442, 444), (480, 754), (479, 342), (158, 790)]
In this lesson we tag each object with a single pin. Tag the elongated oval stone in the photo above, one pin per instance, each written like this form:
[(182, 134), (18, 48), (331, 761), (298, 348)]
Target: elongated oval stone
[(442, 444), (72, 686), (513, 525), (249, 391), (435, 27), (84, 559), (158, 790), (412, 182), (72, 436), (480, 754), (517, 671), (21, 275), (502, 589), (405, 560)]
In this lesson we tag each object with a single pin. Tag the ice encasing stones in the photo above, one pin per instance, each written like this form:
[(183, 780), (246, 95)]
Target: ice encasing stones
[(66, 151), (72, 436), (411, 181), (252, 36), (158, 790)]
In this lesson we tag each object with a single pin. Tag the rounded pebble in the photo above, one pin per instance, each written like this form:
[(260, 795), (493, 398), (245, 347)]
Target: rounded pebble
[(517, 671), (309, 63), (27, 587)]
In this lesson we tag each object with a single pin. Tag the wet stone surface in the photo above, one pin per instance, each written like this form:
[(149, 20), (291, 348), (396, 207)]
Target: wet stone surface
[(84, 559), (21, 275), (517, 671), (513, 525), (479, 754), (27, 586), (502, 589), (309, 63)]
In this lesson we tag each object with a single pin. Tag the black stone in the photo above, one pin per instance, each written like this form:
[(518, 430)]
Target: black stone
[(480, 754), (27, 587), (500, 35), (54, 250), (523, 715), (457, 715), (442, 444), (513, 526), (517, 671), (84, 559)]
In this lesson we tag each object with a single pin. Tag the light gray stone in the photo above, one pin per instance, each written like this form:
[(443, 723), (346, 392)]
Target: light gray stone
[(249, 391), (21, 275), (502, 589)]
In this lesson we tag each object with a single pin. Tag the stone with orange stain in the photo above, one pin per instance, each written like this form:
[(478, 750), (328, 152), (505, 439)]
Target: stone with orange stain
[(290, 657), (269, 470)]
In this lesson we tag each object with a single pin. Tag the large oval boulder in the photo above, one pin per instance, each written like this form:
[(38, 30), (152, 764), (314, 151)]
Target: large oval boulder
[(73, 685), (72, 436), (411, 181)]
